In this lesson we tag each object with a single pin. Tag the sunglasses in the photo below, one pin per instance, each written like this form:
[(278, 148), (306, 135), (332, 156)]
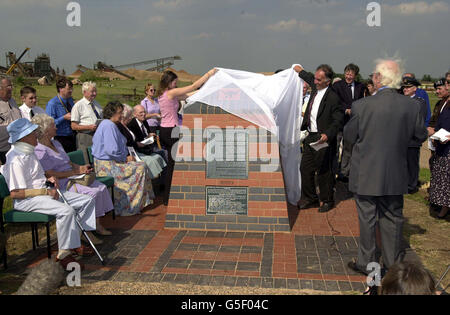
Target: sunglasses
[(151, 90)]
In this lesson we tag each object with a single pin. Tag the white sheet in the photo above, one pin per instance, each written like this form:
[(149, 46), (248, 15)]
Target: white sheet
[(270, 102)]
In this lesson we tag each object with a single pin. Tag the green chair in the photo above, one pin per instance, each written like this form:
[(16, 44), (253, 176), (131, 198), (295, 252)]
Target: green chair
[(78, 158), (20, 217)]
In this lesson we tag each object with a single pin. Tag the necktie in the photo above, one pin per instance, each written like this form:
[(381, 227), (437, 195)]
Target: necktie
[(95, 112), (309, 108), (144, 131), (350, 88), (31, 113)]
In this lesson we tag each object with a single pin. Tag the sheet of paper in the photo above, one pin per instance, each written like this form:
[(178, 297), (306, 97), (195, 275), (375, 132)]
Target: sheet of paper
[(147, 141), (441, 135), (317, 146)]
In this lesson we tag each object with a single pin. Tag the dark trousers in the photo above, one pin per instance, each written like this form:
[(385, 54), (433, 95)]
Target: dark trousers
[(169, 141), (320, 163), (3, 157), (69, 143), (389, 211), (413, 167)]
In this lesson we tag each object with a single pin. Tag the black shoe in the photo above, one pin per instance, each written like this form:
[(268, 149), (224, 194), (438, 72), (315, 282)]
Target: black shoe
[(327, 206), (352, 265), (413, 191), (308, 204)]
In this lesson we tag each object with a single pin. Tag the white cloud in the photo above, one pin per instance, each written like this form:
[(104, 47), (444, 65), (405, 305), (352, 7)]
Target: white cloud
[(153, 20), (292, 25), (173, 4), (417, 8)]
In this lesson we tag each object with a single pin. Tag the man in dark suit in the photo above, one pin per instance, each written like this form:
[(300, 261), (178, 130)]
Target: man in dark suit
[(323, 119), (141, 130), (348, 90), (380, 129), (409, 88)]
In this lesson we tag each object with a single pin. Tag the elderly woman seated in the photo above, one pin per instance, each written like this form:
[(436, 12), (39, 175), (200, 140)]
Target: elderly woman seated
[(57, 163), (27, 183), (132, 182), (150, 154)]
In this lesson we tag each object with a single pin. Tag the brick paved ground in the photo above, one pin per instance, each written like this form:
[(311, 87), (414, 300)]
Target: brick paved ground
[(313, 256)]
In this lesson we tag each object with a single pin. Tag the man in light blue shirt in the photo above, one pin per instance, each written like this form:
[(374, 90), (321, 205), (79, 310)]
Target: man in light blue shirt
[(59, 108)]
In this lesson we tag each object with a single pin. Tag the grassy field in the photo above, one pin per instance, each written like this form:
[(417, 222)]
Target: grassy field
[(130, 92)]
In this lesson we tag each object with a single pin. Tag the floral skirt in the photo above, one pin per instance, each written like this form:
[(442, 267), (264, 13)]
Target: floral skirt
[(132, 185), (440, 181)]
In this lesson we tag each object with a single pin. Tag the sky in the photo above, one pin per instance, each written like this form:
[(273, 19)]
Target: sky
[(251, 35)]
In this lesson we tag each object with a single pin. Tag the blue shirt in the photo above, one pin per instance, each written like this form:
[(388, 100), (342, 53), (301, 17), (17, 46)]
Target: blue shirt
[(108, 143), (56, 110), (423, 94)]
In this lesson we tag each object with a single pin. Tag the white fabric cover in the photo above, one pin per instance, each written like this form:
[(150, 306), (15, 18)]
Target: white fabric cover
[(270, 102)]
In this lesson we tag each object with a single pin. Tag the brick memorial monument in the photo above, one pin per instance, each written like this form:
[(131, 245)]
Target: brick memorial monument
[(227, 176)]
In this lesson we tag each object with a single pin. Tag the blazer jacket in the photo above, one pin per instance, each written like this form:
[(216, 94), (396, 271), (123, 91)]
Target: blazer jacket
[(380, 129), (330, 117), (345, 94), (134, 127)]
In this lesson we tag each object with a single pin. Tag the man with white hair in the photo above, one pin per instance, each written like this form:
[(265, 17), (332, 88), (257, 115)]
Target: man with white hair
[(380, 130), (86, 115)]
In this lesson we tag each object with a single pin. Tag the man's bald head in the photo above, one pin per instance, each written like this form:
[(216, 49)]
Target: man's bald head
[(139, 112)]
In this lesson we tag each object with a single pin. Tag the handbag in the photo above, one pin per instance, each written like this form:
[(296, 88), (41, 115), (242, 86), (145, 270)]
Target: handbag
[(86, 180)]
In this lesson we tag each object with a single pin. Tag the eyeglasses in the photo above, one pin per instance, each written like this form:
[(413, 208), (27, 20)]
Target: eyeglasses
[(151, 90)]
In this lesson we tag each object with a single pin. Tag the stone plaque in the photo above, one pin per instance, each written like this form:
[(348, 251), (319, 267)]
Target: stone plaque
[(227, 154), (226, 200)]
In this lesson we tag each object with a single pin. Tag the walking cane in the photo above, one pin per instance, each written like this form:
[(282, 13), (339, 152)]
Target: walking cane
[(51, 185), (443, 276)]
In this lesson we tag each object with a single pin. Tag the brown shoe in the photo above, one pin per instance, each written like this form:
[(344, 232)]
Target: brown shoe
[(67, 260)]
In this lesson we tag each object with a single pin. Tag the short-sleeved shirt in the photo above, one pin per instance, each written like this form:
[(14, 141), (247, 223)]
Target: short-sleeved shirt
[(151, 108), (108, 143), (8, 113), (56, 110), (83, 114), (169, 111), (26, 111), (23, 171)]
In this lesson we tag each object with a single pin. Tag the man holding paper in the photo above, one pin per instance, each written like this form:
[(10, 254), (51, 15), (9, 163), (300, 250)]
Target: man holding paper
[(324, 118)]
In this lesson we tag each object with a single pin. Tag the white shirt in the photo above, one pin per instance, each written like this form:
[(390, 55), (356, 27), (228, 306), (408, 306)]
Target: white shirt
[(23, 171), (83, 114), (315, 109), (353, 89), (26, 111)]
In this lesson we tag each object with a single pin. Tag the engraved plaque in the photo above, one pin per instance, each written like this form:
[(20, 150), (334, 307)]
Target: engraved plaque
[(227, 153), (226, 200)]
